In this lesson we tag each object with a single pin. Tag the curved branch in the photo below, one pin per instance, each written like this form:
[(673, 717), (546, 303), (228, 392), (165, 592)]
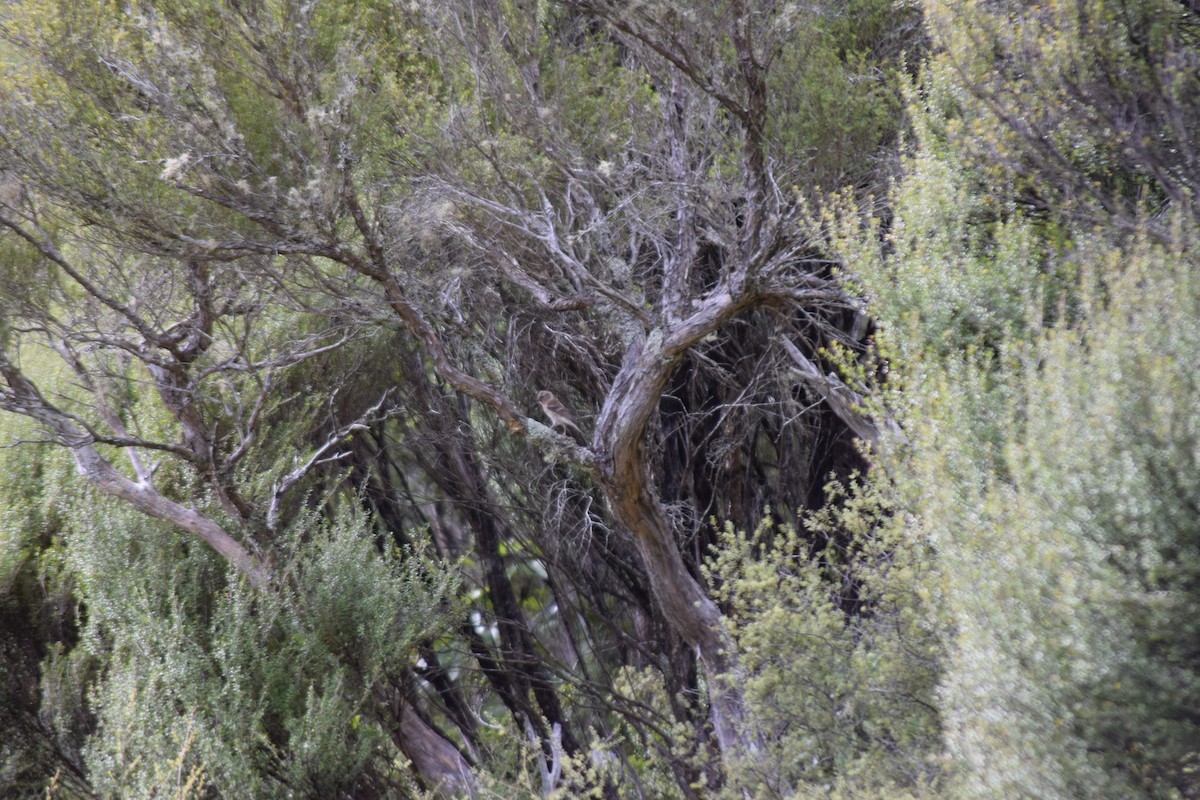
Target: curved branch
[(628, 486), (22, 397)]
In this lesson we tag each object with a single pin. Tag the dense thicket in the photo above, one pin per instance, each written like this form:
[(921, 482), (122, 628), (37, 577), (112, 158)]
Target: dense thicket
[(885, 483)]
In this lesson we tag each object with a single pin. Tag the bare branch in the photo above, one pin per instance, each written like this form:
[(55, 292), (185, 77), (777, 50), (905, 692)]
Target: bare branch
[(22, 397), (844, 401), (322, 456)]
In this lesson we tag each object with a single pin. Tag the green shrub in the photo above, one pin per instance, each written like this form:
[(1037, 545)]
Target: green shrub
[(838, 659)]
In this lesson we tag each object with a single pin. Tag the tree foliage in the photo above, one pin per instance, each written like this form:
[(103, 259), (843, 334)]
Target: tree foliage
[(1038, 353), (886, 478)]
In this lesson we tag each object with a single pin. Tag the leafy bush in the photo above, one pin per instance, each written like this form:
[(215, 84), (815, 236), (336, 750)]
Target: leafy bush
[(255, 693), (838, 658)]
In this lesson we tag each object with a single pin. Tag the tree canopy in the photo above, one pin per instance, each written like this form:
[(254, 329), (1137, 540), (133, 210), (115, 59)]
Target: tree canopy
[(876, 319)]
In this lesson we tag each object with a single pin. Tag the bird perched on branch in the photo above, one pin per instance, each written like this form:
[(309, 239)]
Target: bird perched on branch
[(557, 412)]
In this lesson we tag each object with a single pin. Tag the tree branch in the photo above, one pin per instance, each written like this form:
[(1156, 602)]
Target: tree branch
[(22, 396), (841, 399)]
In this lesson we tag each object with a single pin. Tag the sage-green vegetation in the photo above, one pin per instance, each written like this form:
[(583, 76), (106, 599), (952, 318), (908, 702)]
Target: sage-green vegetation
[(880, 321)]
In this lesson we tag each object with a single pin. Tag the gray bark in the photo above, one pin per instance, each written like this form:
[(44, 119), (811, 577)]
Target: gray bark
[(22, 397), (844, 401)]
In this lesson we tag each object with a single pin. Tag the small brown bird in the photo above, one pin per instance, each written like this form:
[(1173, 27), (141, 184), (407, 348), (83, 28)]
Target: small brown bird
[(557, 412)]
